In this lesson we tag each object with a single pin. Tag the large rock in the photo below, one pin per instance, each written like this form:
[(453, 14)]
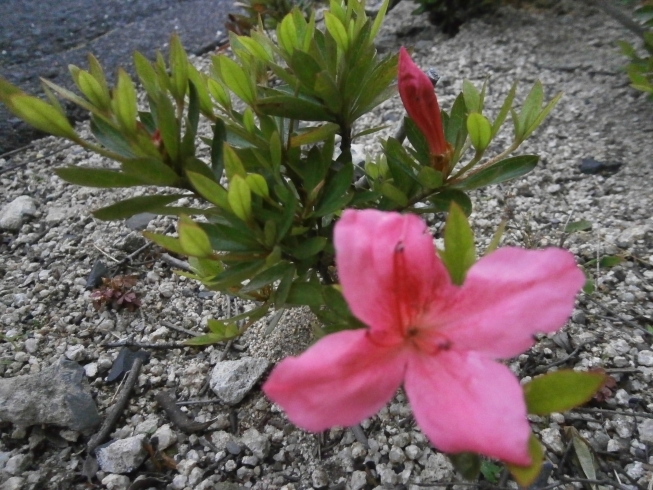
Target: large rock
[(232, 380), (13, 214), (122, 456), (58, 395)]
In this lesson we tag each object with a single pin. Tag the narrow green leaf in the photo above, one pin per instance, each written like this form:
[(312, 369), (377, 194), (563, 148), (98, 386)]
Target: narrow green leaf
[(134, 205), (41, 115), (240, 198), (309, 247), (110, 137), (378, 20), (459, 252), (124, 102), (443, 199), (169, 243), (293, 108), (168, 126), (237, 80), (146, 74), (430, 178), (496, 238), (526, 475), (394, 194), (98, 177), (582, 225), (93, 91), (178, 69), (305, 294), (507, 169), (194, 241), (480, 131), (561, 390), (258, 185), (268, 276), (337, 31), (209, 190), (151, 171), (232, 163), (472, 97), (505, 109), (531, 108), (314, 135), (542, 115)]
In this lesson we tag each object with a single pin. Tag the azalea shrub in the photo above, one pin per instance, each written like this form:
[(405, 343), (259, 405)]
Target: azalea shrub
[(265, 219)]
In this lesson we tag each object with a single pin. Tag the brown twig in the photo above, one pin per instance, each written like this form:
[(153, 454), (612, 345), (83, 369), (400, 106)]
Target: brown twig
[(176, 416), (179, 264), (180, 329), (117, 409)]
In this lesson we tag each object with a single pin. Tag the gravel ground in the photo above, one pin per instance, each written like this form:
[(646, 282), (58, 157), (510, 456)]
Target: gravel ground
[(46, 312)]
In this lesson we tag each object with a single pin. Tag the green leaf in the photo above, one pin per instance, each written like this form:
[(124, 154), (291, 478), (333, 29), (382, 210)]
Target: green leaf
[(394, 194), (472, 97), (194, 241), (135, 205), (258, 185), (480, 131), (526, 475), (443, 199), (490, 471), (151, 171), (542, 114), (378, 20), (97, 177), (168, 126), (459, 252), (430, 178), (209, 190), (41, 115), (467, 464), (335, 194), (178, 69), (305, 294), (309, 247), (560, 391), (237, 80), (235, 274), (124, 102), (337, 31), (93, 91), (314, 135), (504, 170), (169, 243), (220, 332), (505, 109), (268, 276), (582, 225), (588, 287), (293, 108), (496, 238), (531, 108), (239, 197), (232, 163), (110, 137)]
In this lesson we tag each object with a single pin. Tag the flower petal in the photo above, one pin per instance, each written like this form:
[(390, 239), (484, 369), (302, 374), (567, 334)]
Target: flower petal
[(507, 297), (387, 267), (465, 402), (341, 380)]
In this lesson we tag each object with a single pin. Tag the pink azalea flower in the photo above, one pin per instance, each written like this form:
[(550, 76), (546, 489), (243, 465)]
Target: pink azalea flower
[(421, 104), (440, 340)]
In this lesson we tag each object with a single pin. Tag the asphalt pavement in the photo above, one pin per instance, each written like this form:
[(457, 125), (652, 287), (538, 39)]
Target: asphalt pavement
[(40, 38)]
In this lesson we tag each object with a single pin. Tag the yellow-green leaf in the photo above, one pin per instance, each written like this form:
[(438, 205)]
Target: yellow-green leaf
[(41, 115), (561, 390), (194, 241), (240, 198), (480, 131), (258, 185), (124, 101), (526, 475)]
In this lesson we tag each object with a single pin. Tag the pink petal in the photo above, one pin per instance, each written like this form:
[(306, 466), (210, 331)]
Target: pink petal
[(507, 297), (465, 402), (388, 268), (341, 380)]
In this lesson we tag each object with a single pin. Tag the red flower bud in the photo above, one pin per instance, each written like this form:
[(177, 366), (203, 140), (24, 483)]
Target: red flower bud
[(418, 97)]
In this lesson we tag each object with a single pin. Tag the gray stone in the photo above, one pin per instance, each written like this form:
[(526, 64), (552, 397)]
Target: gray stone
[(122, 456), (13, 214), (320, 478), (179, 482), (645, 428), (412, 451), (232, 380), (13, 483), (551, 438), (58, 395), (57, 214), (17, 464), (256, 442), (116, 482), (76, 352), (166, 437), (645, 358), (31, 345), (358, 480)]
